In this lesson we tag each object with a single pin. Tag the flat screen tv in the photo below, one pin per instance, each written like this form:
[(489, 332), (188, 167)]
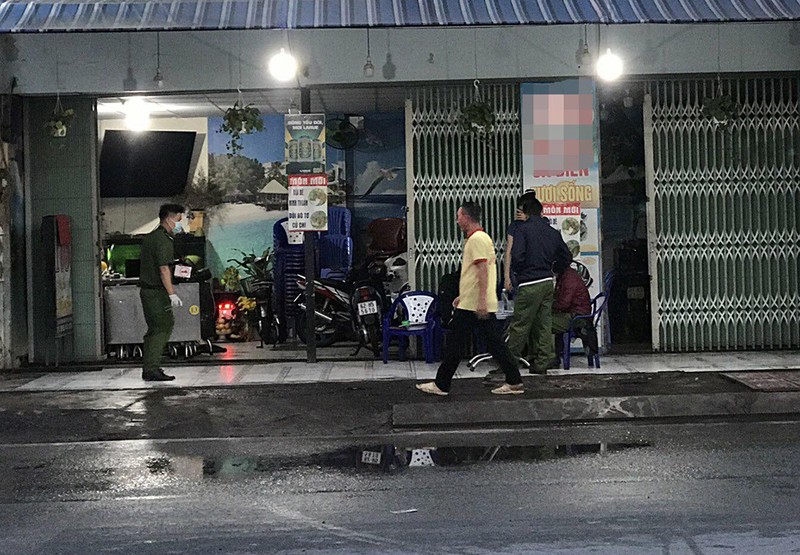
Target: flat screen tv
[(145, 163)]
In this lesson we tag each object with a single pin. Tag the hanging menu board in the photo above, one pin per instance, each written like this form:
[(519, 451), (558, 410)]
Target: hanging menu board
[(308, 203)]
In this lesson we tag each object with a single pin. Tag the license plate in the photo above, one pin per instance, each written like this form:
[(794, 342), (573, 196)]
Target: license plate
[(371, 457), (370, 307)]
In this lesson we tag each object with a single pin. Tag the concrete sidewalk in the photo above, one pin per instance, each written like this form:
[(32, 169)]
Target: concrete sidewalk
[(226, 374), (376, 408)]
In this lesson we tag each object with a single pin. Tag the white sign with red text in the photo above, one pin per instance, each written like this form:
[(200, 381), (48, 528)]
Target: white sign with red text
[(308, 202)]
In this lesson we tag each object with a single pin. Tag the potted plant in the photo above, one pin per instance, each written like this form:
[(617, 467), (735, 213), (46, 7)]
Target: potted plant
[(240, 119), (721, 109), (256, 268), (477, 119), (59, 121)]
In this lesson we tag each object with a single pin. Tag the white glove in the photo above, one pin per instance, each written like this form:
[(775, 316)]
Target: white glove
[(175, 300)]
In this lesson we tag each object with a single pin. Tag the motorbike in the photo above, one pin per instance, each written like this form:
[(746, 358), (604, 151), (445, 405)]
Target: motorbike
[(267, 322), (346, 309)]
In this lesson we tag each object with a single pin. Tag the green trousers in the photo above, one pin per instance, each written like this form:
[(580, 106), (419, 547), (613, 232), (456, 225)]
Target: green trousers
[(160, 320), (531, 324), (561, 321)]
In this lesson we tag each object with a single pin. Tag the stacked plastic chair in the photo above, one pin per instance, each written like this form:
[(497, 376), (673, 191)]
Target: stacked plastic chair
[(335, 258), (335, 246), (289, 262)]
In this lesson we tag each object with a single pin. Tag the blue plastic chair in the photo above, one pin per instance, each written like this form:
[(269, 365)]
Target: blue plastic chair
[(339, 220), (418, 319), (335, 256), (591, 322)]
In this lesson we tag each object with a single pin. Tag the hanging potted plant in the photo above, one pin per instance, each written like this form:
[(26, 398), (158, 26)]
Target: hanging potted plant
[(59, 120), (722, 109), (240, 119), (477, 118)]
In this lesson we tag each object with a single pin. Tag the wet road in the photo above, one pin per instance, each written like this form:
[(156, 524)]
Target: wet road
[(701, 495)]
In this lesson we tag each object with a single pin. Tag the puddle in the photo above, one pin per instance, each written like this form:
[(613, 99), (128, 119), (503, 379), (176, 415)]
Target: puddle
[(391, 458)]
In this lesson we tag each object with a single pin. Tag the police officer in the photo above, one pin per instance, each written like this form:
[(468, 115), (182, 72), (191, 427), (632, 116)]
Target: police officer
[(157, 292)]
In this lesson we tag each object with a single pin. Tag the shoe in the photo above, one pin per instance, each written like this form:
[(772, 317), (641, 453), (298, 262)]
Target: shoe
[(432, 388), (507, 389), (157, 376), (552, 365)]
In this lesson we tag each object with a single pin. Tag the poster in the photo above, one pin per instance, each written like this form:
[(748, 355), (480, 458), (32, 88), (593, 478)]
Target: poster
[(304, 143), (560, 162), (308, 202)]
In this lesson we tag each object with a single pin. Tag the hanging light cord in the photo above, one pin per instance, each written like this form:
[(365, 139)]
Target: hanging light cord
[(59, 108), (158, 51), (368, 43)]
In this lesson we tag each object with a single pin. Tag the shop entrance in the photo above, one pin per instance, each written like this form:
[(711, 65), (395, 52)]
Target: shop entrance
[(623, 222), (244, 260)]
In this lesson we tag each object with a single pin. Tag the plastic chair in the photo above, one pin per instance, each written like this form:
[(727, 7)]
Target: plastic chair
[(335, 256), (339, 220), (419, 313), (586, 326)]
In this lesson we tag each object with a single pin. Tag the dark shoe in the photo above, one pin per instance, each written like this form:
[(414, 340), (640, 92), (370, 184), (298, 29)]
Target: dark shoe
[(552, 365), (157, 376)]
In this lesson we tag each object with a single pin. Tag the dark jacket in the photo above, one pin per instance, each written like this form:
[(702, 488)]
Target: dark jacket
[(571, 296), (536, 247)]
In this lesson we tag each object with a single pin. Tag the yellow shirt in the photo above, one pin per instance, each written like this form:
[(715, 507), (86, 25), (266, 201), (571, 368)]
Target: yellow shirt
[(477, 248)]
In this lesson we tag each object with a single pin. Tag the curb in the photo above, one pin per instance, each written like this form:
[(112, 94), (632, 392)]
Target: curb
[(583, 409)]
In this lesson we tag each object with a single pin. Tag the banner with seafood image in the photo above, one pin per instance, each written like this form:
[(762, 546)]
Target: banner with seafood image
[(560, 163)]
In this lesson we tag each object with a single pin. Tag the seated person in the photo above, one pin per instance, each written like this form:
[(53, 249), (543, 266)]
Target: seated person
[(571, 299)]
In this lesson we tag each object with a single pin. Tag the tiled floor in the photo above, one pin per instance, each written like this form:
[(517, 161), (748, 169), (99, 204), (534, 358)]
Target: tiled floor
[(300, 372)]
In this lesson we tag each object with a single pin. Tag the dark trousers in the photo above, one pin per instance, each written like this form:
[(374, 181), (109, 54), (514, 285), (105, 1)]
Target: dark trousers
[(464, 323), (158, 315)]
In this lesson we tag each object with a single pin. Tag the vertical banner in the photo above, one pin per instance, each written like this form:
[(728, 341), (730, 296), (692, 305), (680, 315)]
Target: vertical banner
[(305, 167), (305, 143), (560, 162)]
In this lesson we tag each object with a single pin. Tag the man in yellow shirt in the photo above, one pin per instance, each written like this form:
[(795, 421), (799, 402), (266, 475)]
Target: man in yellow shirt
[(475, 309)]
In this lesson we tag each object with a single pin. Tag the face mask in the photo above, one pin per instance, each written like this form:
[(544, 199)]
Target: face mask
[(178, 227)]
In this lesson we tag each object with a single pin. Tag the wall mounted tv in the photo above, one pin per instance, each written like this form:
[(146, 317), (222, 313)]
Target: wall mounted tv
[(145, 163)]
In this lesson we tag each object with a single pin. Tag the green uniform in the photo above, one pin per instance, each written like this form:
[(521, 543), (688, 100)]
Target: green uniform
[(157, 251), (531, 323)]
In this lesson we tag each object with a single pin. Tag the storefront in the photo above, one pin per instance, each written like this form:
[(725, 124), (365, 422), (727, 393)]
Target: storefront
[(61, 175)]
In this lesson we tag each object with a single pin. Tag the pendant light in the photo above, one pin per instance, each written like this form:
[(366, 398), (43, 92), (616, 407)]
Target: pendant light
[(609, 66), (158, 79), (369, 69), (283, 66)]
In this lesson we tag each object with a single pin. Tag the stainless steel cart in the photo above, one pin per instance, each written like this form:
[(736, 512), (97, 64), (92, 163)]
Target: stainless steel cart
[(125, 324)]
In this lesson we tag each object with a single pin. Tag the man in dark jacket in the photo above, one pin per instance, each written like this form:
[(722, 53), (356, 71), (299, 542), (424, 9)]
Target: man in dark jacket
[(571, 297), (537, 247)]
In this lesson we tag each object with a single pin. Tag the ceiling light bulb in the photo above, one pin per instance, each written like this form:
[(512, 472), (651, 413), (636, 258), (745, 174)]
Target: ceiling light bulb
[(283, 66), (627, 100), (137, 114), (369, 69), (158, 79), (609, 66)]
